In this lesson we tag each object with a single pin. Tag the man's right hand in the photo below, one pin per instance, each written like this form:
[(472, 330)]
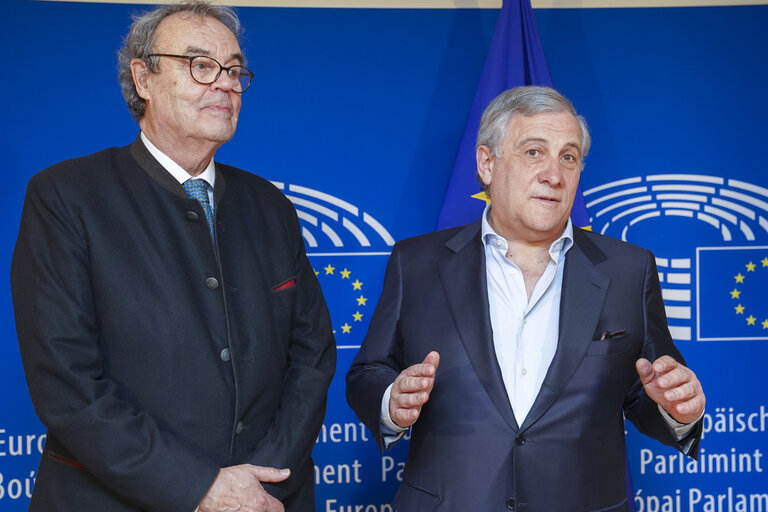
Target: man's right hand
[(411, 390), (239, 488)]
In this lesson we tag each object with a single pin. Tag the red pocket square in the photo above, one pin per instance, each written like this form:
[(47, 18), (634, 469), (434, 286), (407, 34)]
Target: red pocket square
[(288, 284)]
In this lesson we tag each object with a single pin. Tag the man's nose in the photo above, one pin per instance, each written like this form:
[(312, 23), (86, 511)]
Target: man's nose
[(552, 172), (223, 82)]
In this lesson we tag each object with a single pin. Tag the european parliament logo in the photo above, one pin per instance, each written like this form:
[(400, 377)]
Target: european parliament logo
[(348, 248), (709, 236)]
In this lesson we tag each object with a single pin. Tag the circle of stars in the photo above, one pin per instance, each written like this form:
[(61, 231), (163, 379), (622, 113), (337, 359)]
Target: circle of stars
[(357, 316), (736, 292)]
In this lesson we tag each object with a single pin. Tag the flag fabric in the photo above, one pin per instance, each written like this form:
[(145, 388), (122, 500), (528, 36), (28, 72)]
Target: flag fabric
[(515, 58)]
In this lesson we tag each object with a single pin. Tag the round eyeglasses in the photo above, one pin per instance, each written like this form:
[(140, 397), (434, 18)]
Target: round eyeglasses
[(206, 70)]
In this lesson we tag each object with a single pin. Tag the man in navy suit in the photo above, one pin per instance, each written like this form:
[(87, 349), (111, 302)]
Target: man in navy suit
[(514, 346), (173, 333)]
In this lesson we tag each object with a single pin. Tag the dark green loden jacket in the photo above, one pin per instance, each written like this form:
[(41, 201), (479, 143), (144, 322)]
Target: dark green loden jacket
[(154, 358)]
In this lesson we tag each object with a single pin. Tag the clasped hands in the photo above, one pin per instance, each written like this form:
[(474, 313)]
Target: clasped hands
[(670, 384), (239, 488)]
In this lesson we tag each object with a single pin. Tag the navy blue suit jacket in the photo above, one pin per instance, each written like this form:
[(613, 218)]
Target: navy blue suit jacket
[(467, 450)]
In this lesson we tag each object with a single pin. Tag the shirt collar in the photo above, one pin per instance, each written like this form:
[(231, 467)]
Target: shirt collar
[(557, 249), (209, 174)]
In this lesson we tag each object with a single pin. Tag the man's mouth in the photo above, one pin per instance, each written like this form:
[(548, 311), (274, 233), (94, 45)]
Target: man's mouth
[(547, 198), (219, 108)]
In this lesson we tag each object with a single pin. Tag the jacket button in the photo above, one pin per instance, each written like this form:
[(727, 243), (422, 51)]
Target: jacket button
[(520, 440), (211, 283), (239, 427), (225, 355), (192, 216), (511, 503)]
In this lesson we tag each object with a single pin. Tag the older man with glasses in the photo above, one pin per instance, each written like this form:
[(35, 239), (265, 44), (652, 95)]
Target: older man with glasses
[(174, 336)]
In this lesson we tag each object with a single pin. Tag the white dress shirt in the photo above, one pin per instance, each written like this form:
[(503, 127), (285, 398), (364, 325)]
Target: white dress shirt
[(209, 174), (525, 331)]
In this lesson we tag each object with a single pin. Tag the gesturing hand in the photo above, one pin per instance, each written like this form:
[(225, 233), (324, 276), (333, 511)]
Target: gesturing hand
[(411, 390), (239, 488), (673, 386)]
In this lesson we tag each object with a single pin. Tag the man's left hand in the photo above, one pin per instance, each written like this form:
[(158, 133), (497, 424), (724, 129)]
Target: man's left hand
[(673, 386)]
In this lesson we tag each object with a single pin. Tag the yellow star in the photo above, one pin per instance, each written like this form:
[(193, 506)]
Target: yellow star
[(739, 309), (358, 316), (735, 293), (750, 267), (329, 269), (765, 323), (317, 273), (482, 196), (346, 328), (345, 274), (751, 320), (357, 285), (739, 278), (764, 261), (361, 300)]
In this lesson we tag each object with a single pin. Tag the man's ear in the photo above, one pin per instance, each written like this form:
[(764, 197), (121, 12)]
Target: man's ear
[(485, 160), (140, 73)]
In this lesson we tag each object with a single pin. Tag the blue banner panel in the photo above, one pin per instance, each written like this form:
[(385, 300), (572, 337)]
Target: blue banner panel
[(357, 115)]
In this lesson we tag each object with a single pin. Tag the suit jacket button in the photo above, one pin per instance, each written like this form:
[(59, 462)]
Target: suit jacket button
[(225, 355), (520, 440), (192, 216), (211, 283), (239, 427), (511, 503)]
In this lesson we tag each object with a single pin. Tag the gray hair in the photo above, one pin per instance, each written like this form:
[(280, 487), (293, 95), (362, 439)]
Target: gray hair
[(140, 40), (525, 101)]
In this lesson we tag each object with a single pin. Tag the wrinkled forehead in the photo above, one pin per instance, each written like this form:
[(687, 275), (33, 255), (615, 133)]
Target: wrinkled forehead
[(559, 127), (183, 31)]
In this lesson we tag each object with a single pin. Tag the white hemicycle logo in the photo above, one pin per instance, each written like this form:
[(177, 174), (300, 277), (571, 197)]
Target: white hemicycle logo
[(727, 205), (737, 210), (326, 219)]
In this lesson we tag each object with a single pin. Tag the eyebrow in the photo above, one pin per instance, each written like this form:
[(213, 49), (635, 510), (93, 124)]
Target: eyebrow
[(196, 50), (531, 139), (545, 141)]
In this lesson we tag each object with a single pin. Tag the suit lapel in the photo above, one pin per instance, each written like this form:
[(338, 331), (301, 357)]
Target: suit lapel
[(463, 278), (581, 301)]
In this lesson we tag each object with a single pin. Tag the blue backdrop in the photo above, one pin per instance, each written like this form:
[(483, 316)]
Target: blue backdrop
[(357, 115)]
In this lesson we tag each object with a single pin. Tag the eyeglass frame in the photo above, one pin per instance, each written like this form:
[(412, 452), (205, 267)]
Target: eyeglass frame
[(190, 58)]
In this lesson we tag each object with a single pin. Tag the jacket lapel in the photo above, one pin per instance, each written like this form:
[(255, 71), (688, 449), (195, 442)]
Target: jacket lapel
[(163, 178), (581, 302), (463, 278)]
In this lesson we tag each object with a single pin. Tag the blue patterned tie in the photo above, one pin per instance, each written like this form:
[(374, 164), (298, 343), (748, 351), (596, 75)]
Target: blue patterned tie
[(198, 189)]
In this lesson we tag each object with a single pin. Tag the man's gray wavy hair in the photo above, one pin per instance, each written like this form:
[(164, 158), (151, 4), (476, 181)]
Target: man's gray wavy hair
[(525, 101), (140, 40)]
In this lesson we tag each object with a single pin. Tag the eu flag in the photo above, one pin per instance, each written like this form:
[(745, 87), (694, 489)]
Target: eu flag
[(731, 293), (515, 58)]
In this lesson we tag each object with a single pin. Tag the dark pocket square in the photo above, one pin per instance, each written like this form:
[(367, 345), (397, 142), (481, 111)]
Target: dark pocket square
[(287, 284), (606, 335)]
